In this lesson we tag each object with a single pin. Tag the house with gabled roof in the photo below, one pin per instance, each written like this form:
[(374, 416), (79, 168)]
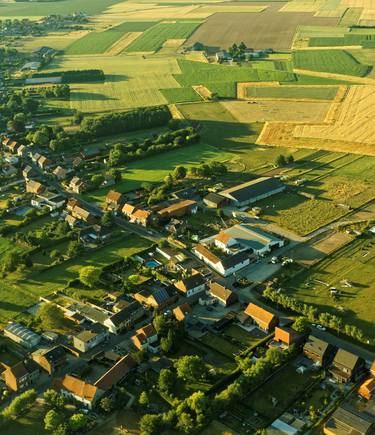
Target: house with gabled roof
[(77, 389), (140, 217), (367, 389), (182, 312), (347, 421), (265, 320), (225, 265), (192, 285), (222, 294), (180, 208), (287, 336), (117, 373), (346, 366), (114, 199), (44, 162), (125, 318), (146, 338), (319, 351), (33, 186), (77, 185), (21, 376), (50, 359), (156, 299), (29, 172), (60, 173)]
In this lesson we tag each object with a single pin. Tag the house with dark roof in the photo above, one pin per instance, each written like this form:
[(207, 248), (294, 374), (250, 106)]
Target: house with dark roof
[(214, 200), (265, 320), (116, 374), (21, 376), (252, 191), (50, 359), (125, 318), (346, 366), (223, 295), (348, 421), (156, 299), (319, 351), (225, 265), (192, 285)]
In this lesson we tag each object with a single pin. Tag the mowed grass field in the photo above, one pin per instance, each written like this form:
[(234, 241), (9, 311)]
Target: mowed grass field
[(131, 81), (19, 290), (99, 42), (354, 262), (330, 61), (292, 92), (180, 95), (42, 8), (154, 38), (154, 169)]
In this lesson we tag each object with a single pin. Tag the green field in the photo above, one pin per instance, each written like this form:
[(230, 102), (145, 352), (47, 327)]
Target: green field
[(42, 8), (131, 81), (154, 38), (180, 95), (355, 263), (21, 289), (366, 40), (298, 213), (154, 169), (295, 92), (199, 73), (351, 17), (330, 61), (99, 42)]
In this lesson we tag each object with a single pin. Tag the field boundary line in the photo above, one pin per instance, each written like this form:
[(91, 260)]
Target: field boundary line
[(326, 75), (119, 46), (329, 47)]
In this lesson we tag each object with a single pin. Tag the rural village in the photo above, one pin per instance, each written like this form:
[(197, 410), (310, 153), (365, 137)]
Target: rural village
[(187, 217)]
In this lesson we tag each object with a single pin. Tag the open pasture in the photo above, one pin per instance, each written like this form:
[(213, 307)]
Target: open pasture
[(269, 28), (330, 61), (131, 81), (180, 95), (42, 8), (154, 38), (99, 42), (292, 92), (354, 262), (277, 110)]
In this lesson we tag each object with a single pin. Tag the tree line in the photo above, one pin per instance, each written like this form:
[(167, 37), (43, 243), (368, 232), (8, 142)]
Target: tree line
[(123, 153), (123, 122), (75, 76), (329, 320)]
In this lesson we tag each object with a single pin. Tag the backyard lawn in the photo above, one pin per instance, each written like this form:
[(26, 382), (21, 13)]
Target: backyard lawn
[(22, 289)]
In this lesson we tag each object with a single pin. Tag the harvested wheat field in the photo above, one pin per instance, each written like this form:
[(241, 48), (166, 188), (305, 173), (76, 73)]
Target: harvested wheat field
[(277, 110), (269, 28), (355, 119), (349, 127), (122, 43)]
